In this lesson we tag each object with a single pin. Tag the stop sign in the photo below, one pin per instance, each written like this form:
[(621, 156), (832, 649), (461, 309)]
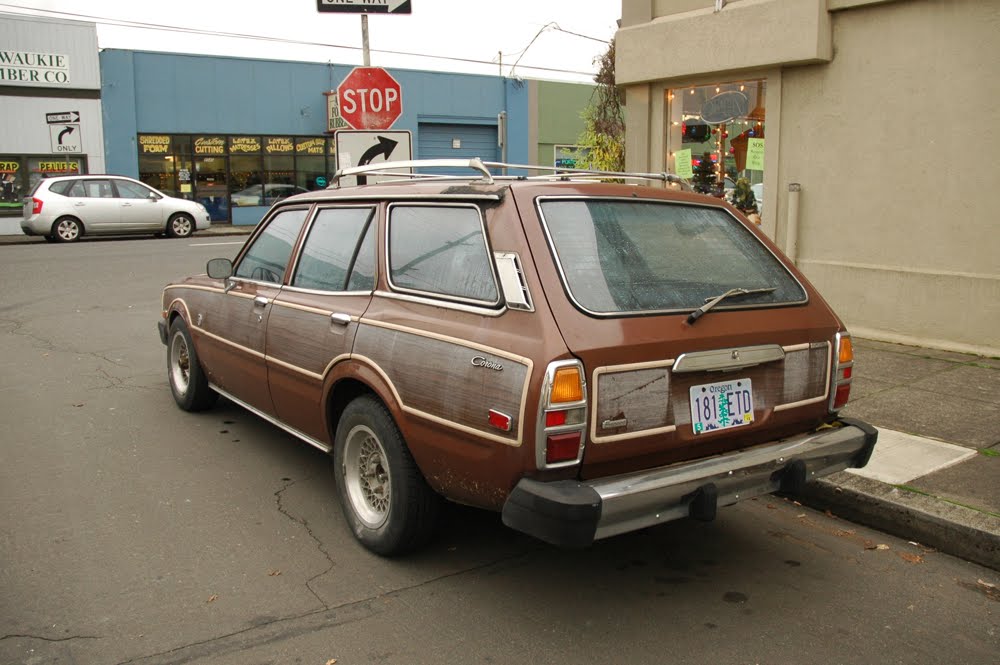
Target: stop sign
[(370, 98)]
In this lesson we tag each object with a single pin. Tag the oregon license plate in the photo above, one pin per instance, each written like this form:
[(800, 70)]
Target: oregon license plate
[(722, 405)]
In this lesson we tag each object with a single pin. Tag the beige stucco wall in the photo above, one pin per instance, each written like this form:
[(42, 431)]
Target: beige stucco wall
[(892, 137)]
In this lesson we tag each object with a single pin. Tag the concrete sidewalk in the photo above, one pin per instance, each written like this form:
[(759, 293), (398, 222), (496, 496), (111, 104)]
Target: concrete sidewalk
[(934, 477)]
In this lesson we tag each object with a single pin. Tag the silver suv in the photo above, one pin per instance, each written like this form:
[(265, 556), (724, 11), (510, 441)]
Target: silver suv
[(64, 208)]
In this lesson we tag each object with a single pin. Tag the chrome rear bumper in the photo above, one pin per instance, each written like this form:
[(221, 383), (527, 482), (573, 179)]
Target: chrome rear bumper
[(575, 513)]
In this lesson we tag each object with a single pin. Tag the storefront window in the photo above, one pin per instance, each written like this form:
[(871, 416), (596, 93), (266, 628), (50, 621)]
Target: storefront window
[(11, 185), (715, 139), (226, 171)]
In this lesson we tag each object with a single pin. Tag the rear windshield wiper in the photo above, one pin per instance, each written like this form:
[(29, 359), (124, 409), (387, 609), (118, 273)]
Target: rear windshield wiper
[(713, 301)]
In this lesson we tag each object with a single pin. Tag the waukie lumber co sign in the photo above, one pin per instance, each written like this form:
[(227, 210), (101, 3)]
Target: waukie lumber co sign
[(23, 67)]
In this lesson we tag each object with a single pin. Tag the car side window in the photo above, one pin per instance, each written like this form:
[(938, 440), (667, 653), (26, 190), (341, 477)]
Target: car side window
[(363, 274), (131, 190), (441, 250), (75, 189), (98, 189), (267, 258), (64, 187), (331, 251)]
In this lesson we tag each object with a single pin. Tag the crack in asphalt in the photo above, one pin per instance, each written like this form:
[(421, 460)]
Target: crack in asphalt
[(50, 639), (327, 618), (319, 543)]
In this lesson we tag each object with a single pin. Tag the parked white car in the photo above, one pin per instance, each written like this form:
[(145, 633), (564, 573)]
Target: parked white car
[(65, 208)]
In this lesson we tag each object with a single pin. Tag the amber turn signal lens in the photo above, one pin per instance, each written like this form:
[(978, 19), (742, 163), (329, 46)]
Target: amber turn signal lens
[(846, 350), (566, 386)]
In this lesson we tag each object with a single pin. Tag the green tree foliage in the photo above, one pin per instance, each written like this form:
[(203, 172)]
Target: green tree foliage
[(603, 138), (706, 180)]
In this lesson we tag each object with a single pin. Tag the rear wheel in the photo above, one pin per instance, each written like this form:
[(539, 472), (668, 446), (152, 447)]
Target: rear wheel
[(188, 382), (180, 226), (387, 503), (67, 229)]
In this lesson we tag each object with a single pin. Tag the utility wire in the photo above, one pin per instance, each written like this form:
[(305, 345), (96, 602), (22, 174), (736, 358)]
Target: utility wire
[(282, 40)]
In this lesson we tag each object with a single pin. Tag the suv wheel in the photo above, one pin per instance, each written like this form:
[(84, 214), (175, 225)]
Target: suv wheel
[(180, 226), (67, 229), (188, 382), (386, 500)]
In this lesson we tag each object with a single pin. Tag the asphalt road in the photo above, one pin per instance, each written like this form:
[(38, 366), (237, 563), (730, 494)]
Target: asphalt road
[(133, 532)]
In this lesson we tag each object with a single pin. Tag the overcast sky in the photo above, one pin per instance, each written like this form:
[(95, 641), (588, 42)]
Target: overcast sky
[(458, 30)]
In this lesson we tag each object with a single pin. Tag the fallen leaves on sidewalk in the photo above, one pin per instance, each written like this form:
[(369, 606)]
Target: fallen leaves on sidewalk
[(911, 558), (211, 599)]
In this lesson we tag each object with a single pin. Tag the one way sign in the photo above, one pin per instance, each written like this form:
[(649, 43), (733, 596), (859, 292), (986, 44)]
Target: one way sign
[(365, 6)]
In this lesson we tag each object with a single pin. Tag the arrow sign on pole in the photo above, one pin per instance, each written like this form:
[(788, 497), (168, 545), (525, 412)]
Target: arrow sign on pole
[(63, 133), (60, 118), (384, 147), (365, 6)]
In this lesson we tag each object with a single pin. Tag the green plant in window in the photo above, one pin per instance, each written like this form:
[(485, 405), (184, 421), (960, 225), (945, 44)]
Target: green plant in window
[(743, 197), (706, 180)]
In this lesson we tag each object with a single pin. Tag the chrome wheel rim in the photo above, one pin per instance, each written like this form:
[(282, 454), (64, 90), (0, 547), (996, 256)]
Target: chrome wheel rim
[(180, 364), (366, 476), (68, 230), (181, 226)]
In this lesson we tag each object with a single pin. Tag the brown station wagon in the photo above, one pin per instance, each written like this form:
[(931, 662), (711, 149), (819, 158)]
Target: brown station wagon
[(587, 357)]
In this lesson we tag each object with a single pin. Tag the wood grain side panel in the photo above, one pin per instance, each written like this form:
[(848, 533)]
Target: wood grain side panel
[(439, 378), (639, 398)]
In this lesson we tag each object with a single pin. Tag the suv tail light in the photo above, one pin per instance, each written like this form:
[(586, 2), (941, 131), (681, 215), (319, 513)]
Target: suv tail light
[(840, 390), (562, 416), (36, 206)]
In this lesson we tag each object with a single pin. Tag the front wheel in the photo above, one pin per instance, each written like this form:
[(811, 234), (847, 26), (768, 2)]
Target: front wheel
[(188, 382), (180, 226), (386, 500)]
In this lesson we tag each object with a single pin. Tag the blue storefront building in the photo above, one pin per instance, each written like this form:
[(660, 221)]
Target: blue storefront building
[(236, 133)]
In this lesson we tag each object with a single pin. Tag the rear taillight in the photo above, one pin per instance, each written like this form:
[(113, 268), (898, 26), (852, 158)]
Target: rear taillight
[(843, 368), (562, 416), (36, 206)]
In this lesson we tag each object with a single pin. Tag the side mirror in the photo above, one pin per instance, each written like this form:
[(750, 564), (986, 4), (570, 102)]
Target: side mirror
[(220, 268)]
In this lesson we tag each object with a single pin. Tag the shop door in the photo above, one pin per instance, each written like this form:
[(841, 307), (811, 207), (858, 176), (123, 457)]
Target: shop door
[(212, 186)]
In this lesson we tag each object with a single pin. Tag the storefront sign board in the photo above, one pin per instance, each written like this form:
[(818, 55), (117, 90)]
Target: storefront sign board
[(755, 154)]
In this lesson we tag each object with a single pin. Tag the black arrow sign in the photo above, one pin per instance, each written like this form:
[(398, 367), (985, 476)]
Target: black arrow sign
[(68, 130), (384, 147)]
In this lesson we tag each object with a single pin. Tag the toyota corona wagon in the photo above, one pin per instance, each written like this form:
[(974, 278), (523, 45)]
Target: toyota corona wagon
[(586, 357)]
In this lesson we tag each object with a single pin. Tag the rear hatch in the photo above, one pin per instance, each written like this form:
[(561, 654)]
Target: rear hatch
[(666, 383)]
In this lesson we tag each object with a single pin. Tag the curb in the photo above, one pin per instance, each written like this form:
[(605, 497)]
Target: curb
[(947, 527)]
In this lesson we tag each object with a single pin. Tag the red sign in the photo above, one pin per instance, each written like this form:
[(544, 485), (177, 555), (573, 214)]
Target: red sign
[(370, 98)]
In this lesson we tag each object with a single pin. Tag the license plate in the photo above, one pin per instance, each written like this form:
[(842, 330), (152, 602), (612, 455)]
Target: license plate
[(722, 405)]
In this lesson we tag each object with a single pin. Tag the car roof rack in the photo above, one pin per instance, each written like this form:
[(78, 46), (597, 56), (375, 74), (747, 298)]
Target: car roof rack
[(483, 170)]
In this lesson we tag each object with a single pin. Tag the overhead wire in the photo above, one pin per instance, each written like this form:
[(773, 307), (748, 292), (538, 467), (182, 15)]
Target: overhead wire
[(141, 25)]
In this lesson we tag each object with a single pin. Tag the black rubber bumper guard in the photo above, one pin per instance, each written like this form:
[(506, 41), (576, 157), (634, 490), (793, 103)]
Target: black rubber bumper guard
[(571, 513)]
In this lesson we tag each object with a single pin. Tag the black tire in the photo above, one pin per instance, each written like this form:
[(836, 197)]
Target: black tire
[(187, 379), (180, 226), (67, 229), (49, 238), (387, 503)]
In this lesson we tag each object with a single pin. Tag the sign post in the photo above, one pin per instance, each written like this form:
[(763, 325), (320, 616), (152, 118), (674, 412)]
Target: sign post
[(364, 7), (370, 98)]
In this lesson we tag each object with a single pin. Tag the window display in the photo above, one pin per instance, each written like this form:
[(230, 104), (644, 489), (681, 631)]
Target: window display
[(715, 139)]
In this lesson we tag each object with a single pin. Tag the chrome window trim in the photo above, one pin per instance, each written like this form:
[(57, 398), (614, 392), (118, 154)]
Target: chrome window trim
[(307, 229), (446, 304), (649, 312), (432, 294)]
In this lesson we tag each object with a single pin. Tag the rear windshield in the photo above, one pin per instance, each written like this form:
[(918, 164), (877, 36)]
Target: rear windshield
[(621, 256)]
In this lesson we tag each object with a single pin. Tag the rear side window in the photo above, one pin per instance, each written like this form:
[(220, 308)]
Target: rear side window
[(622, 256), (132, 190), (333, 251), (441, 250), (57, 187), (267, 258)]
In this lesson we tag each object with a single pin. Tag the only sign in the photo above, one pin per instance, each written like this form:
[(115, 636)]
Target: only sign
[(370, 98)]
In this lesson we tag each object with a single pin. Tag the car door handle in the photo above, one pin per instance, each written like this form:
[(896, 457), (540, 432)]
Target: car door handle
[(260, 301), (340, 319)]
